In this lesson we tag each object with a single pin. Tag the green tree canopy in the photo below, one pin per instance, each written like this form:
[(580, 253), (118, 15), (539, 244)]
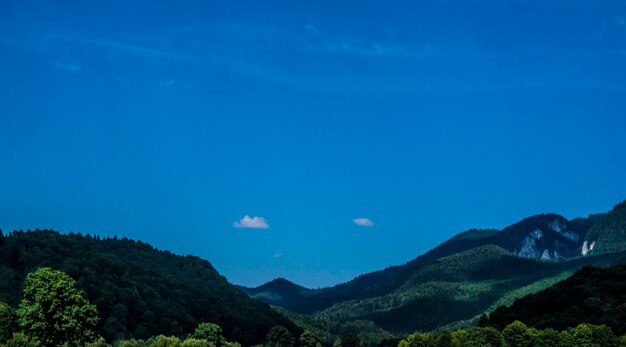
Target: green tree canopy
[(415, 340), (210, 332), (587, 335), (54, 312), (279, 336), (307, 339), (517, 334), (166, 341), (20, 340), (7, 318)]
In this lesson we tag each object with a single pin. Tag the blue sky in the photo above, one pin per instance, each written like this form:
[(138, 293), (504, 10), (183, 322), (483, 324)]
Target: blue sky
[(170, 122)]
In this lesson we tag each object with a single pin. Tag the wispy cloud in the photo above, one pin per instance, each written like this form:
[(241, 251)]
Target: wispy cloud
[(67, 67), (46, 37), (248, 222), (364, 222), (318, 41), (278, 255)]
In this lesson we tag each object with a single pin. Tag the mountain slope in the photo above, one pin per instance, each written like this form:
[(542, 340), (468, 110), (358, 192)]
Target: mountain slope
[(609, 233), (277, 292), (455, 288), (592, 295), (545, 236), (139, 291), (471, 273)]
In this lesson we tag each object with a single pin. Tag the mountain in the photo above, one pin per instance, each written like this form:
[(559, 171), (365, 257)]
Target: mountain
[(545, 236), (277, 292), (471, 273), (139, 291), (457, 287), (609, 233), (592, 295)]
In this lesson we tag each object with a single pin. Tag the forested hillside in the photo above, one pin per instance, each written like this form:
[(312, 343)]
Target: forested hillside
[(139, 291), (592, 295), (467, 275), (609, 234)]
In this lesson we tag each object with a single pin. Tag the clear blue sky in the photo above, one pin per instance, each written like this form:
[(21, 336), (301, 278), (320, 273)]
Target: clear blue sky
[(169, 121)]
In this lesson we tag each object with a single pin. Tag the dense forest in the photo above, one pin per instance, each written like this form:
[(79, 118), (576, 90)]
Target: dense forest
[(135, 295), (139, 291), (592, 295), (392, 279)]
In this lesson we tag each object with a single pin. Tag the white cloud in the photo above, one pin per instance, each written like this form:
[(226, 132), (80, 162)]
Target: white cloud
[(255, 222), (364, 222), (278, 255)]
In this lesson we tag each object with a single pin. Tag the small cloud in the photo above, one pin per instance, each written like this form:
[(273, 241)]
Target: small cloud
[(364, 222), (251, 223), (278, 255), (166, 82), (311, 28), (67, 67)]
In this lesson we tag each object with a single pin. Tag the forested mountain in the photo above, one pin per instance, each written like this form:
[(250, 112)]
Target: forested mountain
[(458, 287), (278, 292), (592, 295), (139, 291), (609, 234), (467, 275), (546, 236)]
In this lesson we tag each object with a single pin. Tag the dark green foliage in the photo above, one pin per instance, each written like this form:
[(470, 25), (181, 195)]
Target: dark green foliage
[(329, 332), (492, 336), (587, 335), (415, 340), (349, 340), (139, 291), (609, 233), (278, 292), (367, 296), (20, 340), (592, 295), (211, 333), (517, 334), (307, 339), (7, 320), (165, 341), (53, 312), (279, 336)]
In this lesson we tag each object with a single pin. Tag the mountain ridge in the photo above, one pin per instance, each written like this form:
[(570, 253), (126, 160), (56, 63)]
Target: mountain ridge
[(139, 291), (548, 243)]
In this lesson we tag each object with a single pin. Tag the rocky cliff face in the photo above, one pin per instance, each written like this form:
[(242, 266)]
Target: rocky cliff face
[(546, 236)]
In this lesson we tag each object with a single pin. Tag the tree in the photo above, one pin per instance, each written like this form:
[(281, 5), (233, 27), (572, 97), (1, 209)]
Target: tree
[(131, 343), (209, 332), (7, 318), (441, 339), (20, 340), (98, 343), (587, 335), (517, 334), (53, 312), (307, 339), (492, 336), (349, 340), (166, 341), (459, 338), (545, 338), (193, 342), (279, 336), (415, 340)]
